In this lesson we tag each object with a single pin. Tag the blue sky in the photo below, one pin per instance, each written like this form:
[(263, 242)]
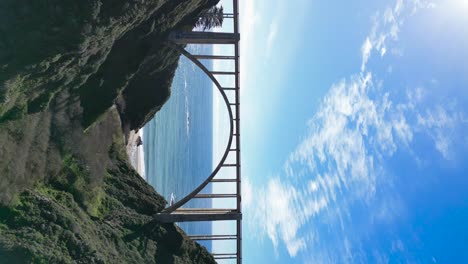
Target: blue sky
[(353, 122)]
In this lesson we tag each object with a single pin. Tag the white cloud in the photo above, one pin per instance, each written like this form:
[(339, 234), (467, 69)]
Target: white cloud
[(422, 4), (313, 186), (346, 137), (441, 125), (383, 50), (341, 161), (398, 6), (402, 128), (283, 209), (387, 26), (366, 50)]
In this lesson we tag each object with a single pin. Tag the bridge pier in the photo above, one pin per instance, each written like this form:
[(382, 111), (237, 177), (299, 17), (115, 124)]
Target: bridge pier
[(213, 237), (196, 217), (197, 37), (214, 57)]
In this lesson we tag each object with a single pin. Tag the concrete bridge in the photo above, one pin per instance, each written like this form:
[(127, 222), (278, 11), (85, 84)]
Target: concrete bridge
[(176, 212)]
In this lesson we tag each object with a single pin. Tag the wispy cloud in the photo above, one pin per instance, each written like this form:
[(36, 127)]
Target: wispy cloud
[(348, 127), (340, 163), (386, 26), (441, 124), (366, 49), (282, 209)]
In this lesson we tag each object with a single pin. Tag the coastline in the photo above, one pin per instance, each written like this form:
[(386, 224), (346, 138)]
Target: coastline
[(136, 154)]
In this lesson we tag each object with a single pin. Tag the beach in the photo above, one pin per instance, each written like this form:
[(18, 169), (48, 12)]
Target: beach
[(136, 153)]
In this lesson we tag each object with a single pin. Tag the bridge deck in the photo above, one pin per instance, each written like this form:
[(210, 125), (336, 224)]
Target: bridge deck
[(197, 217)]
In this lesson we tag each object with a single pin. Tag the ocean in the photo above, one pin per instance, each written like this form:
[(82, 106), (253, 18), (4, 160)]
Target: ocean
[(178, 141)]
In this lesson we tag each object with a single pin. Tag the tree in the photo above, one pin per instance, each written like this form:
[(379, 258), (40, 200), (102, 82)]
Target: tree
[(211, 18)]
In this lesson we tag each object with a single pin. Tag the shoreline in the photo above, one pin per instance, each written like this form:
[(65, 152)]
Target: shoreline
[(136, 154)]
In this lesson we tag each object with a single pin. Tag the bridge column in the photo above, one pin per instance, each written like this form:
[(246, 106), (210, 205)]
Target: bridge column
[(213, 237), (196, 217), (195, 37), (225, 255)]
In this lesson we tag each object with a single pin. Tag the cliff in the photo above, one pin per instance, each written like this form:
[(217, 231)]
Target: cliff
[(75, 77)]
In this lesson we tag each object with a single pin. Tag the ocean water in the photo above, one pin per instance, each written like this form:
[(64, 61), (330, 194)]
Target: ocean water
[(178, 141)]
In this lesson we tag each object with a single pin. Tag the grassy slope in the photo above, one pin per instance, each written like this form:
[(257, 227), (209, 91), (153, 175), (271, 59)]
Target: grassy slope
[(73, 77), (53, 223)]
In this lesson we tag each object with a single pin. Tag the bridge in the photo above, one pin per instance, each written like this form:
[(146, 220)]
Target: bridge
[(176, 212)]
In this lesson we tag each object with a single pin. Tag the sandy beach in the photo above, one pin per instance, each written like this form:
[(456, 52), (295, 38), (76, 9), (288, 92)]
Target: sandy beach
[(136, 153)]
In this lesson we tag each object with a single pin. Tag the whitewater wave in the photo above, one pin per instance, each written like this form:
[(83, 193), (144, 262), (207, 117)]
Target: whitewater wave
[(187, 112)]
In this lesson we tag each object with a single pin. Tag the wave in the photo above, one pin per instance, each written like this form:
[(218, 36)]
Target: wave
[(187, 110)]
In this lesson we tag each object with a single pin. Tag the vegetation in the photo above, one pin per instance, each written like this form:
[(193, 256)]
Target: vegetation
[(51, 225), (75, 76), (211, 18)]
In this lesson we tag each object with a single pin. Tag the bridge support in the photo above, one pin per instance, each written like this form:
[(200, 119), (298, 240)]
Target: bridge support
[(213, 237), (214, 57), (175, 212), (195, 37), (194, 216)]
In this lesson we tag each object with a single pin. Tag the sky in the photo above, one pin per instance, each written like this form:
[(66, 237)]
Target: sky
[(353, 120)]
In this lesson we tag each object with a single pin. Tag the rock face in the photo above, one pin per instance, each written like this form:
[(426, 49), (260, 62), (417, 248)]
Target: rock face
[(75, 77)]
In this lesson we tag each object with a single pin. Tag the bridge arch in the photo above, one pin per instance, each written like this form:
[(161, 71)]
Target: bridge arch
[(197, 190)]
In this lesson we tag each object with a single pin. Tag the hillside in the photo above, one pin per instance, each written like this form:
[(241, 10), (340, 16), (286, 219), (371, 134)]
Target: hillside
[(75, 78)]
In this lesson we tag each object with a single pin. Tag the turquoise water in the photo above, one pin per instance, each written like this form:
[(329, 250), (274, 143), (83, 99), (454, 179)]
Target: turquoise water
[(178, 141)]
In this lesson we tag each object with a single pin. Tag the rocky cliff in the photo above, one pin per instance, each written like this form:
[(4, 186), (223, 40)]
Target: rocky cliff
[(75, 77)]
